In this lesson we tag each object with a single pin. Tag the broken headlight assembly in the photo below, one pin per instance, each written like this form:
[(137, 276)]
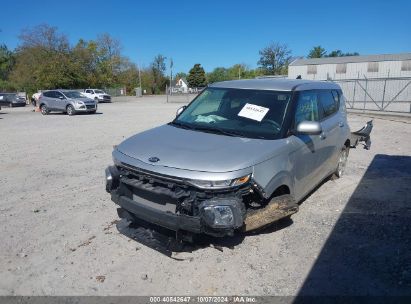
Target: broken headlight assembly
[(222, 213), (219, 184)]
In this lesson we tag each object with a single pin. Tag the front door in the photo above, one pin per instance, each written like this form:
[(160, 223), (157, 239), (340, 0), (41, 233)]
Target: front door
[(308, 152)]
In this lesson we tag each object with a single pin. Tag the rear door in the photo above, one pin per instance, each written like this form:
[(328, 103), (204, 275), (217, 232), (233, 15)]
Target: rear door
[(48, 99), (330, 124)]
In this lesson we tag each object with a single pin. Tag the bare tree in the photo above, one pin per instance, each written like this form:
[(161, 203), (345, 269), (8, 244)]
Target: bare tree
[(274, 58)]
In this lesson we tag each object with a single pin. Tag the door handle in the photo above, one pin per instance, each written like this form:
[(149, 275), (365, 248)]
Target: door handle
[(323, 136), (341, 124)]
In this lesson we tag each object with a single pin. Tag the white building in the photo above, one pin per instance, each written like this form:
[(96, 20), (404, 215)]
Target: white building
[(352, 67)]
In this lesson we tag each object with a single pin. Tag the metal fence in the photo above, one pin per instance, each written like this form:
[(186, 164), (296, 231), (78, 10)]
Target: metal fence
[(378, 94), (179, 95)]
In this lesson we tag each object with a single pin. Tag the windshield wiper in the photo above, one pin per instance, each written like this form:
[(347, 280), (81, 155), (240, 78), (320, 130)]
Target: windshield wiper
[(218, 131), (181, 125)]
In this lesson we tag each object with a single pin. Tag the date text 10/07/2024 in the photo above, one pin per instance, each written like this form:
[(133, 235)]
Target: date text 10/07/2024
[(203, 299)]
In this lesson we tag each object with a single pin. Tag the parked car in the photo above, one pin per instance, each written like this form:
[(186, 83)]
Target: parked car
[(66, 101), (12, 100), (240, 156), (97, 95)]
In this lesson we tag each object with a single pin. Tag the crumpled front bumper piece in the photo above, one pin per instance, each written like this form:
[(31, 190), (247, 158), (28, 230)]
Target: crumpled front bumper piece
[(363, 135)]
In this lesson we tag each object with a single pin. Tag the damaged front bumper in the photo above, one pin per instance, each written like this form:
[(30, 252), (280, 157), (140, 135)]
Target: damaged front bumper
[(173, 204)]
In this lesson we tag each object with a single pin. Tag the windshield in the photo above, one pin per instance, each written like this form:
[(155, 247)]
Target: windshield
[(73, 94), (98, 91), (237, 112)]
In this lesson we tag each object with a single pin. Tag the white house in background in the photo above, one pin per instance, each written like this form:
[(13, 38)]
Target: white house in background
[(352, 67), (182, 85)]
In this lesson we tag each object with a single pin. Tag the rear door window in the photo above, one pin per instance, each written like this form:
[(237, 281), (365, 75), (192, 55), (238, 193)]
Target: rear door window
[(49, 94), (329, 104)]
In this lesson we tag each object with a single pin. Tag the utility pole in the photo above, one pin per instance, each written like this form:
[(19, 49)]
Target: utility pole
[(171, 72)]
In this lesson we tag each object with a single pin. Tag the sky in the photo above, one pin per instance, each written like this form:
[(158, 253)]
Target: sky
[(218, 33)]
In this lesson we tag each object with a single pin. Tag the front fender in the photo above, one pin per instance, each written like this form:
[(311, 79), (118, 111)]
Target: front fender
[(271, 174)]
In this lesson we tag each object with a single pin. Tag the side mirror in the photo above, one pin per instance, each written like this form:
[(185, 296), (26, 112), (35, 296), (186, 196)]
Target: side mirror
[(61, 97), (180, 110), (309, 128)]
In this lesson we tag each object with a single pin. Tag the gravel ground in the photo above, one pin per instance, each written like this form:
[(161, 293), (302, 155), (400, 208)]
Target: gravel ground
[(59, 236)]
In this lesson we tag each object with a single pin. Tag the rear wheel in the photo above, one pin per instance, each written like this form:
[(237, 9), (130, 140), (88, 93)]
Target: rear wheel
[(342, 163), (10, 104), (70, 110), (44, 110)]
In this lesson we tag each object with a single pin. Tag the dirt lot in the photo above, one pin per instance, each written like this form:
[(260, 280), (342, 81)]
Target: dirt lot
[(58, 235)]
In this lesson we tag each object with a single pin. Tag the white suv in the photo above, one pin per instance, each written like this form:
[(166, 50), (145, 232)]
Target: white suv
[(97, 95)]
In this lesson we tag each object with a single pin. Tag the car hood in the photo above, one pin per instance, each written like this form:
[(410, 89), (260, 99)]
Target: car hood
[(83, 99), (194, 150)]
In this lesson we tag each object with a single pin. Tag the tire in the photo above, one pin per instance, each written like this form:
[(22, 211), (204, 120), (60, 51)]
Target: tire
[(93, 112), (96, 100), (70, 110), (342, 163), (44, 110), (10, 105)]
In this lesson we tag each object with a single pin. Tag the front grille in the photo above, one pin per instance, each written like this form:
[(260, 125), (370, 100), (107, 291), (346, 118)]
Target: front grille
[(90, 106), (106, 97), (158, 189)]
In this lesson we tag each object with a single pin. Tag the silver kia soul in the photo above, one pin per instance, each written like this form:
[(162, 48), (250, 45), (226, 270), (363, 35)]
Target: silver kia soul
[(240, 156)]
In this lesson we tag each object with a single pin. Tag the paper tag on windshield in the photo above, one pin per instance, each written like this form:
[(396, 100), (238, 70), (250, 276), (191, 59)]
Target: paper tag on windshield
[(253, 112), (1, 97)]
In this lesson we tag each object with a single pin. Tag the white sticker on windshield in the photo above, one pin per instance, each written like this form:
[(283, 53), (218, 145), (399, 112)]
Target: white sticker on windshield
[(1, 97), (253, 112)]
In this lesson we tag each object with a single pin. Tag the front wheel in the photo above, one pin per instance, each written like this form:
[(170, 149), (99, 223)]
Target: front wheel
[(96, 100), (70, 110), (342, 163)]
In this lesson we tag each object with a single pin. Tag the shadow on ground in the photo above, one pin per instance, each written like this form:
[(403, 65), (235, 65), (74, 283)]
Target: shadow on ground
[(164, 240), (368, 253)]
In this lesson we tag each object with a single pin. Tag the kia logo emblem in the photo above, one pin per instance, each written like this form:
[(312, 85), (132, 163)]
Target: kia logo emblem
[(153, 159)]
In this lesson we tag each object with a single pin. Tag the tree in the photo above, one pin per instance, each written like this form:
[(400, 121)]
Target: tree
[(7, 62), (339, 53), (274, 59), (43, 60), (196, 76), (158, 68), (180, 75), (218, 74), (317, 52)]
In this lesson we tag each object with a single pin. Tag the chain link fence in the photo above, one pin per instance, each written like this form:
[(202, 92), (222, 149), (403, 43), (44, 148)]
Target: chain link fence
[(181, 95), (378, 94)]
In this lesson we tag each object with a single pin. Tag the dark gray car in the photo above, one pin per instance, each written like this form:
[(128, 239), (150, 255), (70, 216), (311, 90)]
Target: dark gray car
[(66, 101), (241, 155), (12, 100)]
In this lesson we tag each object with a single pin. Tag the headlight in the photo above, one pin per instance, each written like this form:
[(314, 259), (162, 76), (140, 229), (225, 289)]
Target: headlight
[(218, 216), (80, 103), (219, 184), (222, 213)]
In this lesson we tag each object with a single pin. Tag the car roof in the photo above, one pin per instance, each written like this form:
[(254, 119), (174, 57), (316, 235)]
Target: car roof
[(276, 84)]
